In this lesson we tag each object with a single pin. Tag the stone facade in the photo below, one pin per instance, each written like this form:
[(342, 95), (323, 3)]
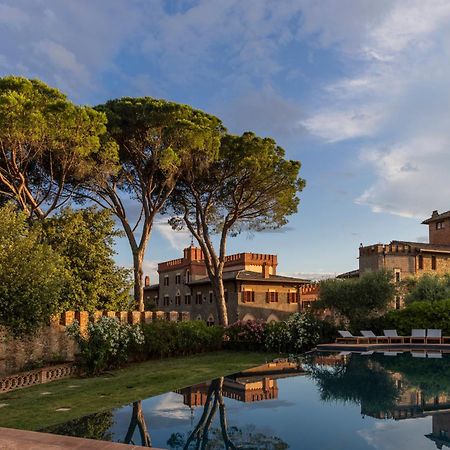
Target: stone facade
[(406, 259), (253, 290)]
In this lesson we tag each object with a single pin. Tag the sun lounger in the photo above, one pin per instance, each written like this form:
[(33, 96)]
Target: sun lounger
[(370, 352), (348, 338), (390, 353), (434, 336), (434, 355), (418, 354), (418, 336), (395, 338), (373, 338)]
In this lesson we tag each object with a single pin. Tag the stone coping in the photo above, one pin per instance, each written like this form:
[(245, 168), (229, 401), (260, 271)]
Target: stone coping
[(383, 347), (12, 439)]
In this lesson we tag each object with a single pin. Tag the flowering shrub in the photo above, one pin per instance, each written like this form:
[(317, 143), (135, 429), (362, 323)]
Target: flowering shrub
[(106, 344), (303, 332), (248, 335), (299, 333)]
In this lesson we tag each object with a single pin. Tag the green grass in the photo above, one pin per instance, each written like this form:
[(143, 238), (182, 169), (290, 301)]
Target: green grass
[(35, 408)]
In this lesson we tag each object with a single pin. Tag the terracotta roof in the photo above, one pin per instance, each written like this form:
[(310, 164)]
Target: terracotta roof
[(351, 274), (247, 275), (423, 245), (436, 216)]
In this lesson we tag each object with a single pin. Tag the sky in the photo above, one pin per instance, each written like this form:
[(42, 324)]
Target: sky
[(357, 90)]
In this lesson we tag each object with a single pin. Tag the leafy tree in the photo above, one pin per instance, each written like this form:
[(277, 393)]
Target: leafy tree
[(32, 275), (359, 299), (157, 141), (429, 288), (46, 143), (85, 239), (250, 187)]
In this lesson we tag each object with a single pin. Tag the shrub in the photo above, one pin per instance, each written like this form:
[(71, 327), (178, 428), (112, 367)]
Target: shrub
[(163, 338), (106, 344), (248, 335), (299, 333), (435, 314)]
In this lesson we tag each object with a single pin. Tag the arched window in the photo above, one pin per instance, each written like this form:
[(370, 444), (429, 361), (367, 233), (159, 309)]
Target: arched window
[(210, 321)]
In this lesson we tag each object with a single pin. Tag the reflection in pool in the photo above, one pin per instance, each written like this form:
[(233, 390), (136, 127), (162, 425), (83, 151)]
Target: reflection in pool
[(322, 401)]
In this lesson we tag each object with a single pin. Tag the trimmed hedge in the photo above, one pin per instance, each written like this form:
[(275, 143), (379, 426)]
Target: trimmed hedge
[(434, 314), (162, 339)]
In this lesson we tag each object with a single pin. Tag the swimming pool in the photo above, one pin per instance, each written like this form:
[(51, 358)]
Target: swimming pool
[(322, 401)]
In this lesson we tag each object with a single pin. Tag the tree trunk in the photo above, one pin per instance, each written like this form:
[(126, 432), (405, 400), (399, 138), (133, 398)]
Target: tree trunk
[(219, 293), (138, 258), (137, 419)]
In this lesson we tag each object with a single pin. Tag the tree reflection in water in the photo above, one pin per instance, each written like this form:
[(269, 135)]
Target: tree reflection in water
[(203, 437), (138, 420)]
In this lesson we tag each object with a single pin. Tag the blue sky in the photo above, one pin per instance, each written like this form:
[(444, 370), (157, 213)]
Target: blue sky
[(357, 90)]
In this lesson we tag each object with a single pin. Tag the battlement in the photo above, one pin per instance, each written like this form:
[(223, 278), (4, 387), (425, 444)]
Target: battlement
[(251, 258), (383, 249), (310, 288)]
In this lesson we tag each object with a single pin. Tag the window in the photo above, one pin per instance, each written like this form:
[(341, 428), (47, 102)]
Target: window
[(272, 297), (210, 321), (178, 300), (292, 297), (397, 275), (156, 300), (166, 280), (166, 300), (211, 296), (420, 262), (187, 277), (439, 225), (248, 296), (433, 263), (177, 278), (397, 302), (187, 299), (226, 295), (198, 298)]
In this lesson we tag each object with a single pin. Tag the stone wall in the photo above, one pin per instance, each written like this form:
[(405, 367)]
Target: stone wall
[(52, 342)]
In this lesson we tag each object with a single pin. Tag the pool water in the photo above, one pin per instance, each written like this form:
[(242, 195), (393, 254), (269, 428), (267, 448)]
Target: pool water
[(322, 401)]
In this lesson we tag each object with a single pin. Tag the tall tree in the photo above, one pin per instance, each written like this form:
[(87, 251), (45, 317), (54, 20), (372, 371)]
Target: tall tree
[(85, 239), (32, 275), (46, 142), (157, 141), (250, 187)]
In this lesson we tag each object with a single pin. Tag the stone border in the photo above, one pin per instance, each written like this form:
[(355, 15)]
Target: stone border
[(39, 376)]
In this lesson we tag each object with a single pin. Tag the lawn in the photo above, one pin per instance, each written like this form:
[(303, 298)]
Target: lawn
[(35, 408)]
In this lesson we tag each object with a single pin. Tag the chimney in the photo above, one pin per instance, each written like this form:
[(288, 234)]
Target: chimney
[(435, 213), (265, 270), (147, 281)]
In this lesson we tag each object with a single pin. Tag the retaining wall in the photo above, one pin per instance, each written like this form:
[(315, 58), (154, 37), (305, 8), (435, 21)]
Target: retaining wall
[(52, 342)]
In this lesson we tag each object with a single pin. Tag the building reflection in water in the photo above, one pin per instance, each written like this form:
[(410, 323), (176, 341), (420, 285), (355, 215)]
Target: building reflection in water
[(253, 385)]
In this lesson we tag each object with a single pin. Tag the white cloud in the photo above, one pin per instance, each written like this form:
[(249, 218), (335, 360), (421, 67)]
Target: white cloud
[(396, 97), (178, 240)]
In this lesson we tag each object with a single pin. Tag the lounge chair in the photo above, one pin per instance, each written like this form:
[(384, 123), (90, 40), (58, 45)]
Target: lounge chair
[(418, 335), (373, 338), (347, 337), (390, 353), (434, 335), (394, 337), (418, 354), (434, 355)]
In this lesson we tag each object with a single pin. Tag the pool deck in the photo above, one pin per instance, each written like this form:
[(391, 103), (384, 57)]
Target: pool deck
[(338, 347), (11, 439)]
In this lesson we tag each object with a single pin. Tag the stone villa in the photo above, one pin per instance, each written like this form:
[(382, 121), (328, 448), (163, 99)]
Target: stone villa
[(406, 258), (253, 290)]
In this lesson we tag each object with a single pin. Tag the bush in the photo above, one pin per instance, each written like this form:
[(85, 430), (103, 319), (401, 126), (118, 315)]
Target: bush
[(248, 335), (107, 343), (163, 338), (434, 314), (299, 333)]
